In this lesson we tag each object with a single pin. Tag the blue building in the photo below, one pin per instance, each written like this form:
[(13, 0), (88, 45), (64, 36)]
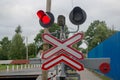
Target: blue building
[(110, 48)]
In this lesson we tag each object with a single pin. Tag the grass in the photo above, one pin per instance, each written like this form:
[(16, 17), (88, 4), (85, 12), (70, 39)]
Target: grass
[(3, 67), (103, 77)]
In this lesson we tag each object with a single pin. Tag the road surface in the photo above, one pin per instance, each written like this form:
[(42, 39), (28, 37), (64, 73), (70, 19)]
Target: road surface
[(87, 75)]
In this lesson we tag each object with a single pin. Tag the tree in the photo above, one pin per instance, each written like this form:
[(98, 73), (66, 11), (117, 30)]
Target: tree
[(1, 55), (5, 48), (96, 33), (18, 29), (32, 50), (17, 50)]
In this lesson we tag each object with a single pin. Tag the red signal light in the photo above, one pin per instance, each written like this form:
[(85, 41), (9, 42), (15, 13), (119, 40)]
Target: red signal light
[(46, 19), (43, 17), (40, 13)]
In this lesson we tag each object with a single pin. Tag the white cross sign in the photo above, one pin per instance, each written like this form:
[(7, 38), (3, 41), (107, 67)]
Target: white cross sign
[(62, 46), (62, 51)]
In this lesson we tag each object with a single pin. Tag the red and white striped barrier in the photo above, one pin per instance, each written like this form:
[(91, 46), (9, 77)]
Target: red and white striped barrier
[(14, 61)]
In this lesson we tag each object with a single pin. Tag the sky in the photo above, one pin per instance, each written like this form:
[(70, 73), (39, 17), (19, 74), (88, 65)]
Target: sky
[(23, 12)]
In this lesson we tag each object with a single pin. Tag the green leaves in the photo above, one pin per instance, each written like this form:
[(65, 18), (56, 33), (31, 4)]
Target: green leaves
[(32, 50), (17, 49), (5, 48), (96, 33)]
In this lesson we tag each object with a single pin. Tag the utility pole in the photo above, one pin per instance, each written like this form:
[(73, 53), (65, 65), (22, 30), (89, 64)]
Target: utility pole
[(26, 48), (46, 45)]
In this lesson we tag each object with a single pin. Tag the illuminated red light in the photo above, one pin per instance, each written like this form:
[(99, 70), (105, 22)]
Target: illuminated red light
[(43, 17), (46, 20), (40, 14)]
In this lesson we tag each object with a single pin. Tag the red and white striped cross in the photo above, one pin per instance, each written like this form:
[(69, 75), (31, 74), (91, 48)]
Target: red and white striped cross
[(62, 58), (60, 46)]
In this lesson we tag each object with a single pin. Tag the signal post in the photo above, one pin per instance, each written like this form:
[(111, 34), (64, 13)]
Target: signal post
[(46, 45)]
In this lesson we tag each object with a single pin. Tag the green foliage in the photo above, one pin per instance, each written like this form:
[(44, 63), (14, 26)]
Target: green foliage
[(5, 48), (17, 49), (3, 67), (32, 49), (76, 46), (96, 33), (53, 28), (18, 29), (38, 37)]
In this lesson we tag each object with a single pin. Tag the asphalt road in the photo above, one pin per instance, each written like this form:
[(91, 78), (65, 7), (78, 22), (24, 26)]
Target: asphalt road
[(87, 75)]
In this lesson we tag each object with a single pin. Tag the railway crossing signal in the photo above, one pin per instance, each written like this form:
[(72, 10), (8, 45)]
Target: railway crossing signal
[(46, 19), (62, 51), (62, 46)]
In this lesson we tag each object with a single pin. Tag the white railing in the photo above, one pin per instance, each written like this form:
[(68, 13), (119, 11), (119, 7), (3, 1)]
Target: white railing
[(20, 67)]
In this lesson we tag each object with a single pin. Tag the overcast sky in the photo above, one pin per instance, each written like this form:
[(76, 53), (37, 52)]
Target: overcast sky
[(23, 12)]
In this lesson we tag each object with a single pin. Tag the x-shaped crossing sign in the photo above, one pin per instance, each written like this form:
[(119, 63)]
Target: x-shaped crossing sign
[(62, 51), (62, 46)]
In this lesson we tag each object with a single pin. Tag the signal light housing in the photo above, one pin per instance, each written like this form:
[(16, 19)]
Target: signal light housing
[(46, 19), (77, 16), (61, 20)]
